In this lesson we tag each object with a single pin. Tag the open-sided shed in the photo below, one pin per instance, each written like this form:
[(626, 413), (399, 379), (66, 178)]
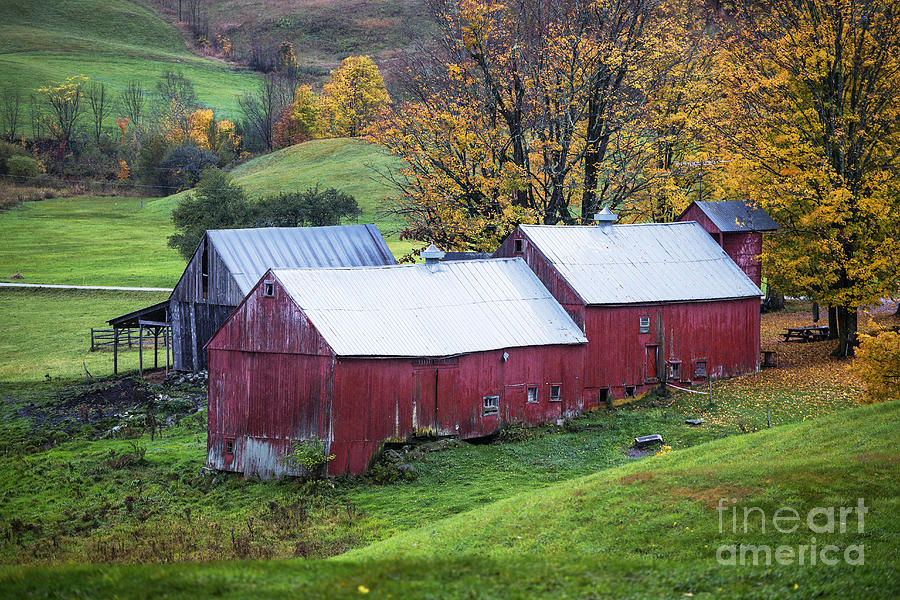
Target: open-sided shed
[(657, 302), (737, 227), (360, 356), (228, 262)]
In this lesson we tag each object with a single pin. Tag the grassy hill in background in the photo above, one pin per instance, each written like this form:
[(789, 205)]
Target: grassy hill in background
[(648, 529), (110, 41)]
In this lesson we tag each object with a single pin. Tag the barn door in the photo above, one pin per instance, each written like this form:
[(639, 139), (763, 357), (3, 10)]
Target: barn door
[(425, 400), (652, 362)]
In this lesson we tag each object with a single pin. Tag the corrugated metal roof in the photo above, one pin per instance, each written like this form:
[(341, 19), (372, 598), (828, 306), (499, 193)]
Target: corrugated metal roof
[(736, 215), (421, 311), (653, 262), (249, 253)]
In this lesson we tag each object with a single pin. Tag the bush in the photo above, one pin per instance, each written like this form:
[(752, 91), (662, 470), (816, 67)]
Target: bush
[(877, 363), (7, 151), (308, 457), (183, 165), (311, 208), (23, 167)]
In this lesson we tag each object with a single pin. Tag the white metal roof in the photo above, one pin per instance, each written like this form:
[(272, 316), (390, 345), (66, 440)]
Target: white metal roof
[(249, 253), (422, 311), (736, 215), (652, 262)]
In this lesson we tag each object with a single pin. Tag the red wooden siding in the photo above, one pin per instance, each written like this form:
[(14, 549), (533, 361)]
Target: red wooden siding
[(724, 334)]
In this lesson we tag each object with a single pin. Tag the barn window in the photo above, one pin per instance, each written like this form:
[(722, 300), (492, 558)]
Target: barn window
[(204, 272), (675, 369), (532, 395), (520, 245), (629, 391), (491, 405), (555, 393), (700, 369), (269, 289), (229, 446), (645, 324)]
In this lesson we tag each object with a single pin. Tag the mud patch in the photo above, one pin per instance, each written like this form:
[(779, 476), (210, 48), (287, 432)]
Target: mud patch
[(633, 452)]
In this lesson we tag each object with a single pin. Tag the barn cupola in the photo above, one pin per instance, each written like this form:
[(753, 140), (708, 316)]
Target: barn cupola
[(432, 255), (605, 219)]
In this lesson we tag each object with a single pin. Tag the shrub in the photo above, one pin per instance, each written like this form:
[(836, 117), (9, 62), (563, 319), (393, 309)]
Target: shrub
[(311, 208), (23, 167), (308, 457), (877, 363), (184, 164), (7, 151)]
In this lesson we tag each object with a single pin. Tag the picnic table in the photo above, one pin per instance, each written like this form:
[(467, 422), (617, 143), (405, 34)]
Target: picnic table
[(813, 333)]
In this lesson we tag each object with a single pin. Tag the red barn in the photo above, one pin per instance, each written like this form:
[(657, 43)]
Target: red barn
[(657, 302), (737, 228), (358, 356)]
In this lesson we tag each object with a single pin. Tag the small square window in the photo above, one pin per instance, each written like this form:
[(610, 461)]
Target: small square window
[(629, 391), (269, 289), (229, 446), (675, 370), (491, 405), (700, 369), (555, 393), (645, 324), (520, 245), (532, 395)]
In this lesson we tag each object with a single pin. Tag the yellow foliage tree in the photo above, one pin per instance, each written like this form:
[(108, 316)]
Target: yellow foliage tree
[(352, 98), (64, 103), (299, 120), (877, 363), (204, 131), (814, 120)]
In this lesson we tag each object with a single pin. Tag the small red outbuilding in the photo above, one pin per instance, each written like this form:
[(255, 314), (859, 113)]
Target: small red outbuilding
[(657, 302), (358, 356)]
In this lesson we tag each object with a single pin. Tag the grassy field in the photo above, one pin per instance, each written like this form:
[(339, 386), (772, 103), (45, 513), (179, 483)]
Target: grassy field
[(645, 529), (90, 241), (111, 41)]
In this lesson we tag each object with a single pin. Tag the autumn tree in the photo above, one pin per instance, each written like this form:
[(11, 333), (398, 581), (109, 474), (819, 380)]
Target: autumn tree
[(10, 113), (64, 103), (263, 109), (98, 102), (299, 120), (175, 100), (352, 97), (814, 91), (528, 111), (133, 99)]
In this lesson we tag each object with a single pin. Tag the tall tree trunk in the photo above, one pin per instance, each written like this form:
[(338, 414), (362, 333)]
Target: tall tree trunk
[(847, 325), (832, 323)]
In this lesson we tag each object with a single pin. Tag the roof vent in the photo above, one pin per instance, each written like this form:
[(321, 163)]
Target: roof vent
[(605, 218), (432, 255)]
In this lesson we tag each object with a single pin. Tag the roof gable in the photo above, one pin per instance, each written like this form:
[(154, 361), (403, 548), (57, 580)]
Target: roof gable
[(732, 216), (424, 311), (249, 253), (645, 263)]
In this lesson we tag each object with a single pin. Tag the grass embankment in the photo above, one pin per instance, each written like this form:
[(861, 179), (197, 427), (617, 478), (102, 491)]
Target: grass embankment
[(110, 41), (646, 529)]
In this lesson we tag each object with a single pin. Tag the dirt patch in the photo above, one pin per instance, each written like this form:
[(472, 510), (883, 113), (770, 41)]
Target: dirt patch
[(641, 477), (633, 452), (710, 497)]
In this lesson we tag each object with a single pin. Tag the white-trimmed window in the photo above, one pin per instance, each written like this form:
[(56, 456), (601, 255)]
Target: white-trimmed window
[(532, 395), (490, 405), (675, 370), (268, 289), (700, 369), (644, 324), (229, 446)]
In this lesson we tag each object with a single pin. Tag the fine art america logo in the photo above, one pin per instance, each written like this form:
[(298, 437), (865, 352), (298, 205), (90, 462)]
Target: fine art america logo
[(819, 520)]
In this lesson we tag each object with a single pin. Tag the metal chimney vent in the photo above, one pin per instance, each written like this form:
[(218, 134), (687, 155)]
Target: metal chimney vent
[(432, 255), (605, 218)]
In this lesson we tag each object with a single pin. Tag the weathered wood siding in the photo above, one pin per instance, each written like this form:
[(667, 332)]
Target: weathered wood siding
[(194, 318), (724, 334)]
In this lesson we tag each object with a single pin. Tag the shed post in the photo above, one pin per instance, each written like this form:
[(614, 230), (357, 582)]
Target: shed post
[(141, 350), (166, 333), (156, 347), (115, 350)]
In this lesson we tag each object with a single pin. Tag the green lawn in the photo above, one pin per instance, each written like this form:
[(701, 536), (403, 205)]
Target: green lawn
[(647, 529), (111, 41), (89, 241)]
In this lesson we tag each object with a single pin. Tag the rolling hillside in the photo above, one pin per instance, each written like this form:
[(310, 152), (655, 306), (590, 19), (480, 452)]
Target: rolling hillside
[(111, 41), (648, 529)]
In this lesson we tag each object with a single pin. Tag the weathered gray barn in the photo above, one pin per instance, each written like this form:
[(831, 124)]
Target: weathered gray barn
[(229, 262)]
